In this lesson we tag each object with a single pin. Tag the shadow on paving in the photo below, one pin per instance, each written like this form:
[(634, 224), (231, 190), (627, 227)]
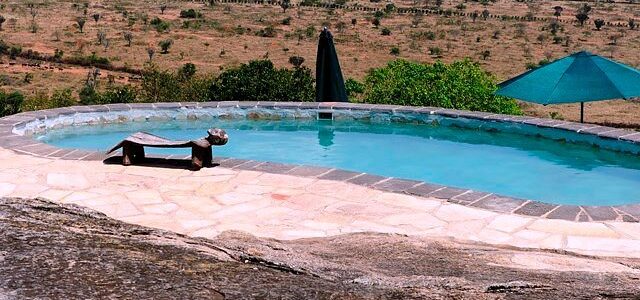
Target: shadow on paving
[(156, 162), (69, 252)]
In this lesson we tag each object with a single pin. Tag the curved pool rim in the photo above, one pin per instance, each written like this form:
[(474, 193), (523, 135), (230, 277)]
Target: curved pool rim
[(12, 139)]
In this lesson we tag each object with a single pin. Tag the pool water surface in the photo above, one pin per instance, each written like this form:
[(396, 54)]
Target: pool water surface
[(509, 164)]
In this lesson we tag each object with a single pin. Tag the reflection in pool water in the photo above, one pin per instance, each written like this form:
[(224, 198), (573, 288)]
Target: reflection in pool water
[(503, 163)]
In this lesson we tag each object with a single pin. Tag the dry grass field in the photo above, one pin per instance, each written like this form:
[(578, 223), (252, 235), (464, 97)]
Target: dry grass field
[(226, 35)]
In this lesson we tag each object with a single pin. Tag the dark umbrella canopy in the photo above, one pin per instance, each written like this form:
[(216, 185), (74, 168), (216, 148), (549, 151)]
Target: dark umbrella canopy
[(580, 77), (329, 81)]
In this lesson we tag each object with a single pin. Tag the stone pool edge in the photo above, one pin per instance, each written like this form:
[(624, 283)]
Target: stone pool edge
[(484, 200)]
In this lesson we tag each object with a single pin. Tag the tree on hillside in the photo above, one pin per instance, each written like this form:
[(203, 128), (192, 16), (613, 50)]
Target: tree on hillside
[(485, 14), (128, 36), (2, 19), (285, 4), (163, 7), (187, 71), (632, 24), (96, 17), (81, 21), (33, 11), (557, 11), (296, 61), (102, 37), (165, 45), (599, 23), (582, 17), (151, 51), (375, 22), (583, 13)]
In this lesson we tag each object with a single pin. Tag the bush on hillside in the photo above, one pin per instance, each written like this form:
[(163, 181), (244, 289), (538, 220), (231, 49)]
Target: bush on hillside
[(190, 13), (460, 85), (119, 94), (159, 86), (354, 88), (10, 103), (259, 80), (42, 100)]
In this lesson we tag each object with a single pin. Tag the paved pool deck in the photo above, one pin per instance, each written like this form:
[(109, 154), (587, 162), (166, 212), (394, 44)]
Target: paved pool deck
[(212, 200)]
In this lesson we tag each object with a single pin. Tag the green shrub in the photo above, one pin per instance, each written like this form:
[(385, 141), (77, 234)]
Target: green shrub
[(192, 24), (14, 52), (386, 31), (261, 81), (89, 95), (268, 31), (90, 60), (159, 86), (41, 100), (160, 25), (119, 94), (10, 103), (460, 85), (196, 88), (435, 51), (354, 88), (187, 71), (165, 45), (190, 13), (309, 2), (62, 98)]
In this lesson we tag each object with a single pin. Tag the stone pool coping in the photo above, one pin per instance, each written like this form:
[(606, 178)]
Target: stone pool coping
[(497, 203)]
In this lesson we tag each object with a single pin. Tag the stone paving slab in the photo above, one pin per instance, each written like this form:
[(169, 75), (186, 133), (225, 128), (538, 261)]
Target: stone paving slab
[(537, 209), (498, 203), (340, 175), (565, 212), (396, 185)]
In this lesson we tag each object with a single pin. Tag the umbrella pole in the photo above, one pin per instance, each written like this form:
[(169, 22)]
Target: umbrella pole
[(581, 112)]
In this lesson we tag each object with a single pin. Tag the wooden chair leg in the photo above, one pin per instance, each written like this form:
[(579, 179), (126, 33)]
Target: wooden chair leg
[(138, 153), (127, 154), (197, 158), (208, 157)]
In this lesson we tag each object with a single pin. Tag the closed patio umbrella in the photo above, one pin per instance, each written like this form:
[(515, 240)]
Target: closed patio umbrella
[(329, 81), (580, 77)]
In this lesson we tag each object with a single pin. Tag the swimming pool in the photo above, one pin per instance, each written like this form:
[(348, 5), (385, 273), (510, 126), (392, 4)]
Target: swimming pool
[(435, 150)]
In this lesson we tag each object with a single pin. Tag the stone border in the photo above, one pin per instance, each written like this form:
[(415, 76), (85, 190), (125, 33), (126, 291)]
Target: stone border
[(626, 213)]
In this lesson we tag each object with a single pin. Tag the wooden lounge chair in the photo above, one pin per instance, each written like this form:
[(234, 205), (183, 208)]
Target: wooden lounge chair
[(201, 149)]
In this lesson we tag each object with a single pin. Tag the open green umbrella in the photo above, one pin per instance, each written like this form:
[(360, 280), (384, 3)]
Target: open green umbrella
[(329, 82), (579, 77)]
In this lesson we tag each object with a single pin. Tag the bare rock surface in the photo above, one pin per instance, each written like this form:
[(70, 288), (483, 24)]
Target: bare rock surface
[(53, 251)]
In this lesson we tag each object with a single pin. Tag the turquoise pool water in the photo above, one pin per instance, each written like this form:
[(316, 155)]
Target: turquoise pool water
[(502, 163)]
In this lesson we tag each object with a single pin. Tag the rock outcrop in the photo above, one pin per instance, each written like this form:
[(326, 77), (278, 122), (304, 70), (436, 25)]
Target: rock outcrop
[(52, 251)]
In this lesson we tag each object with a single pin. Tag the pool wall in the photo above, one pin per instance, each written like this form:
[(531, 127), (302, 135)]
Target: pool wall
[(16, 133)]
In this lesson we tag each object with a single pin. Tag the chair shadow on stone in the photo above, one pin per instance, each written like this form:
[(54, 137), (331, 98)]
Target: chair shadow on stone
[(158, 162)]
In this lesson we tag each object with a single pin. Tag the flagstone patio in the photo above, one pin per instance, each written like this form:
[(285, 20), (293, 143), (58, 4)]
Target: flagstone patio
[(207, 202)]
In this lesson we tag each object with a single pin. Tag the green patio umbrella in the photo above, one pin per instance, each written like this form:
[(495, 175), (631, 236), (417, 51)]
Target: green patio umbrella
[(579, 77), (329, 82)]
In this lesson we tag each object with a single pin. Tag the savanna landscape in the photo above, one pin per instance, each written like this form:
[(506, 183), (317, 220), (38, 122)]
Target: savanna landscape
[(430, 184), (52, 47)]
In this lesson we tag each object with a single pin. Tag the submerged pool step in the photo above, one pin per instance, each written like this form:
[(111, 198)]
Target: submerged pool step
[(325, 115)]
